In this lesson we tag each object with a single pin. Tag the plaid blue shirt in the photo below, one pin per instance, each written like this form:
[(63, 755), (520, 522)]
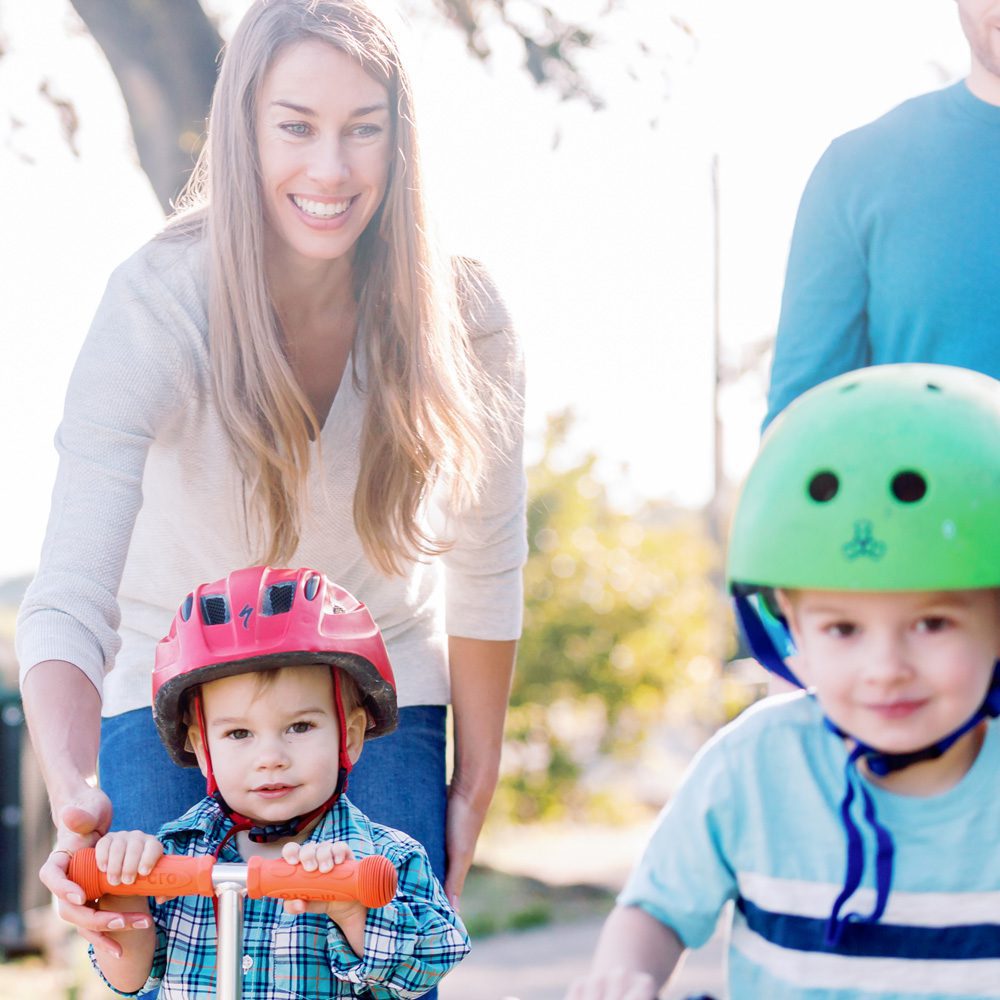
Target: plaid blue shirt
[(409, 944)]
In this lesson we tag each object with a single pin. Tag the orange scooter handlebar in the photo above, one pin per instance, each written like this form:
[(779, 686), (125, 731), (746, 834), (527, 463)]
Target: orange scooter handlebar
[(171, 876), (371, 881)]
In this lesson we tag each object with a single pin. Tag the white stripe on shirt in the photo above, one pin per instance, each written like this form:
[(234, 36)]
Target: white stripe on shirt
[(909, 909), (916, 977)]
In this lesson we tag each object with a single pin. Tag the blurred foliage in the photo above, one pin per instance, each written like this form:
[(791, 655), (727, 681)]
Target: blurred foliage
[(621, 614), (494, 901)]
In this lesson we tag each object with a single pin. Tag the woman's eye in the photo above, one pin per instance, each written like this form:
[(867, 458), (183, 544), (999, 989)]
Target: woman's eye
[(296, 128), (367, 131)]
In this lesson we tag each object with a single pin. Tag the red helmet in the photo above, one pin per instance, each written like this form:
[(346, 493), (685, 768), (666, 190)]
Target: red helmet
[(262, 618)]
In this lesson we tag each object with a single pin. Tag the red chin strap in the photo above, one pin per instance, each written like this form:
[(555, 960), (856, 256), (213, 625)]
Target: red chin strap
[(265, 833)]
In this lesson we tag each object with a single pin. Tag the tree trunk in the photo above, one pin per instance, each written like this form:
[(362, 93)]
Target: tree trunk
[(163, 54)]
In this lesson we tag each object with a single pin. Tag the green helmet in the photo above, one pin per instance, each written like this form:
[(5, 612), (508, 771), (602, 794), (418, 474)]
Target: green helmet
[(882, 479)]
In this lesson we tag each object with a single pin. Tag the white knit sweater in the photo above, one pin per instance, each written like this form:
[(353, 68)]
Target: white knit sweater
[(148, 501)]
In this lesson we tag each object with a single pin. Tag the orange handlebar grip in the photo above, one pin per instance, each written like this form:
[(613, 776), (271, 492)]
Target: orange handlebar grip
[(171, 876), (371, 881)]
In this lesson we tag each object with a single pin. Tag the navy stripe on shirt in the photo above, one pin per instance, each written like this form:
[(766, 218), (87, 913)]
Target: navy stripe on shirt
[(879, 940)]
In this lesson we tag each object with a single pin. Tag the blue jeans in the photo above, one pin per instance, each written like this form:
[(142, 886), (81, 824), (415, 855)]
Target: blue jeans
[(399, 779)]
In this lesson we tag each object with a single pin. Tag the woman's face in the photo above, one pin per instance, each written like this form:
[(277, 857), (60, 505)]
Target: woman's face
[(324, 137)]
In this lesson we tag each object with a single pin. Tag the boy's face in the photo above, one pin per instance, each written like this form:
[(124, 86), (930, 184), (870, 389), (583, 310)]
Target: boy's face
[(897, 671), (275, 750)]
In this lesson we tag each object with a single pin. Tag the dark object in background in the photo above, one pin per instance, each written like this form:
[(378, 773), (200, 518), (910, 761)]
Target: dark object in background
[(12, 734)]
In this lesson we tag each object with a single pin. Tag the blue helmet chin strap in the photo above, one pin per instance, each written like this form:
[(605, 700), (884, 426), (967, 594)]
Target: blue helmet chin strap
[(766, 652)]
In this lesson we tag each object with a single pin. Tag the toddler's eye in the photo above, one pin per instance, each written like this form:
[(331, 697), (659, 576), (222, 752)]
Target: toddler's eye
[(933, 623), (238, 734), (841, 630), (300, 727)]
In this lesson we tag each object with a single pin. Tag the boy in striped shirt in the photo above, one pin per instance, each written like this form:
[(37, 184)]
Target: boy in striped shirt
[(853, 824)]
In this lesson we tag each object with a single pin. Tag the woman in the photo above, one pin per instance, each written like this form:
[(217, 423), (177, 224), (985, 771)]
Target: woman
[(288, 374)]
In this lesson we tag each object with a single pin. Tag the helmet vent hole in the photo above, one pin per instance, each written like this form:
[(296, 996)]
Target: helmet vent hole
[(312, 587), (278, 599), (823, 486), (214, 609), (909, 487), (187, 607)]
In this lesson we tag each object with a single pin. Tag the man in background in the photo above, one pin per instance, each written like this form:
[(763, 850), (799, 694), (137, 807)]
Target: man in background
[(895, 254)]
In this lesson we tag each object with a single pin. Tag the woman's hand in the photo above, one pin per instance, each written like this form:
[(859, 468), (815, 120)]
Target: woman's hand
[(80, 824), (63, 709), (464, 823)]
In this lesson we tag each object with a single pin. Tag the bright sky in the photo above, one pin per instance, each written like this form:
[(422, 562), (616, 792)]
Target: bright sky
[(601, 242)]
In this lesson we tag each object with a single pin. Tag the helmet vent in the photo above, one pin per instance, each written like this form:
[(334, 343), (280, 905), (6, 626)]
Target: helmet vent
[(278, 599), (909, 487), (823, 486), (214, 609)]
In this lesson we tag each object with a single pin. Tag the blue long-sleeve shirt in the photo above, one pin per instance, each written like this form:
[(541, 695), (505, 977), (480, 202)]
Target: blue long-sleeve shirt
[(895, 254)]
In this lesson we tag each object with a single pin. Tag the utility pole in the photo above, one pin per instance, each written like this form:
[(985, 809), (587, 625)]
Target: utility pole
[(718, 471)]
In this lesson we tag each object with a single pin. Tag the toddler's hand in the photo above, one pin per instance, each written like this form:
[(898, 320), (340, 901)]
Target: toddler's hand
[(126, 853), (324, 857), (317, 857), (619, 984)]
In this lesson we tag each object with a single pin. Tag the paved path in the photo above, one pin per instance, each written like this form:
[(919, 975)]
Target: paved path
[(539, 964)]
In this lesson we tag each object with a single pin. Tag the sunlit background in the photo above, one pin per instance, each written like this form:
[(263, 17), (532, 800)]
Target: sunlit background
[(597, 225), (600, 229)]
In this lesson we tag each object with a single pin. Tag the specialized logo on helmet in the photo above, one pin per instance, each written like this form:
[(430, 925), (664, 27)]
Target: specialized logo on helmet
[(245, 612), (864, 543)]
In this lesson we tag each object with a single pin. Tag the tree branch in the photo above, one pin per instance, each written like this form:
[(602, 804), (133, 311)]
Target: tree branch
[(163, 55)]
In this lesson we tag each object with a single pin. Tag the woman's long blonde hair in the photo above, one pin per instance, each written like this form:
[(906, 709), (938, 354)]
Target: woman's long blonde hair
[(430, 411)]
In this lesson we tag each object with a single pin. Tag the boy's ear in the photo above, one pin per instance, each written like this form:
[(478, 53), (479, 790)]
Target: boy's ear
[(356, 725), (195, 745)]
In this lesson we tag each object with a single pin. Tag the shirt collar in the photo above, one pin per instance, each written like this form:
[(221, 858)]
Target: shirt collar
[(207, 821)]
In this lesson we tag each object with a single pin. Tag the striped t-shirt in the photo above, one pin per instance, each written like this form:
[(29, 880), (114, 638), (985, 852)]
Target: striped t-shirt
[(756, 821)]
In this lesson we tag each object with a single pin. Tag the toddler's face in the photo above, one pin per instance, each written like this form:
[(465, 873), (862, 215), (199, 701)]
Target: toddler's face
[(275, 750), (896, 671)]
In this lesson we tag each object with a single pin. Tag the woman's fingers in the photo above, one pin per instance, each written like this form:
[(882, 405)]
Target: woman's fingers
[(53, 876), (93, 925), (85, 818)]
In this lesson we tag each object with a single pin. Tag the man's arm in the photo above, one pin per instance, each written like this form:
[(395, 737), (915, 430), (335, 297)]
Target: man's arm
[(823, 328)]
